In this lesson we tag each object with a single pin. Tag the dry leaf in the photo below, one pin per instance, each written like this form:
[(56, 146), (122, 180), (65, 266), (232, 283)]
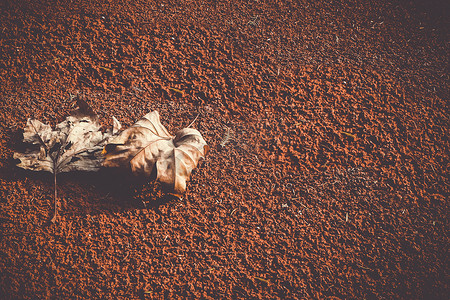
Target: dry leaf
[(148, 144), (75, 144)]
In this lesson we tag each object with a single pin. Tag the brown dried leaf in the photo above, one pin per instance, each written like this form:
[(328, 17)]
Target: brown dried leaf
[(148, 144), (75, 144)]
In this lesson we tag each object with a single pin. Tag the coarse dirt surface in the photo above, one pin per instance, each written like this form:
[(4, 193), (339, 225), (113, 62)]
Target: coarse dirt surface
[(328, 175)]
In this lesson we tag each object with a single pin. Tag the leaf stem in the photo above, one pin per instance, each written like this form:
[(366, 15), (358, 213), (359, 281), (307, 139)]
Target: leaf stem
[(56, 199)]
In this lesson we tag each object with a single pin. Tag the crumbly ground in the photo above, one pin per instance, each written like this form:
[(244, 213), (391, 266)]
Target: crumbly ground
[(328, 171)]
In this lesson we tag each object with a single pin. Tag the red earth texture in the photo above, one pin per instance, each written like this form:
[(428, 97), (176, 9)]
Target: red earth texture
[(328, 175)]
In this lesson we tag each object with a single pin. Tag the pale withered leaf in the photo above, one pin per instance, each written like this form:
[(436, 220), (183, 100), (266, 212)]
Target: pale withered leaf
[(75, 144), (148, 144)]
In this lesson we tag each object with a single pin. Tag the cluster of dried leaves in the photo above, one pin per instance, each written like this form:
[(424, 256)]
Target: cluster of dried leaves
[(78, 144)]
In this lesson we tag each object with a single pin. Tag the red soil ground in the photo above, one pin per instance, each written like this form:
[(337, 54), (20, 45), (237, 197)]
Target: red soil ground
[(333, 183)]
